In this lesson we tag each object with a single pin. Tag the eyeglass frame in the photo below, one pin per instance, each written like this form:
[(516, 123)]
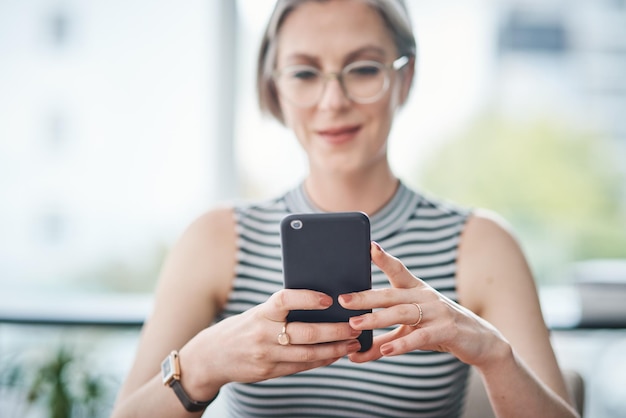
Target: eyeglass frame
[(396, 65)]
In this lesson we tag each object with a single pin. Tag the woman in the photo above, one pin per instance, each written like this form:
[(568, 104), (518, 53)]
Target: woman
[(335, 72)]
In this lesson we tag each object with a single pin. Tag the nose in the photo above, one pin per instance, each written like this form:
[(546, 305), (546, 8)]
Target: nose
[(333, 94)]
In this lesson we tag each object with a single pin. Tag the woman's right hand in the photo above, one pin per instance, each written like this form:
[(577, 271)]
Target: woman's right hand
[(245, 348)]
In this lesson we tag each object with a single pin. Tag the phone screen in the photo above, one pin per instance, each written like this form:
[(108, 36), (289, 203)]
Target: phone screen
[(330, 253)]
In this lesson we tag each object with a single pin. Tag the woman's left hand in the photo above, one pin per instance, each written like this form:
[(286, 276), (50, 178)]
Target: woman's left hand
[(444, 324)]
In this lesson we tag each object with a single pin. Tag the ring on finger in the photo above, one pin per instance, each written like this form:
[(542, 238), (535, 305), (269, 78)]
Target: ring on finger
[(419, 308), (283, 337)]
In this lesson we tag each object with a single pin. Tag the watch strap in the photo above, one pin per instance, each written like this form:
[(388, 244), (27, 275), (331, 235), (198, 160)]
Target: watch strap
[(171, 373), (189, 404)]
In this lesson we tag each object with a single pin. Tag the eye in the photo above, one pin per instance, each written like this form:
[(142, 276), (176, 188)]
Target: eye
[(300, 73), (363, 69)]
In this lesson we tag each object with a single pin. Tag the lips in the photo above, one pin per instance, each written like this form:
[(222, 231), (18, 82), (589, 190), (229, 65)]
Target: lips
[(339, 135)]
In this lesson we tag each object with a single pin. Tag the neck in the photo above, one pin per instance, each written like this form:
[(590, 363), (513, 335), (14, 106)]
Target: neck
[(367, 192)]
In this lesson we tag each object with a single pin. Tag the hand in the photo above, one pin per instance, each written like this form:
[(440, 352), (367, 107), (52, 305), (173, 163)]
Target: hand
[(445, 325), (245, 348)]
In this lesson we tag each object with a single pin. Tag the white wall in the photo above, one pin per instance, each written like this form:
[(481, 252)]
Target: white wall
[(107, 130)]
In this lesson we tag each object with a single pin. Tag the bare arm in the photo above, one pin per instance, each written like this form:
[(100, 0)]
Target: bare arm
[(496, 283), (194, 282)]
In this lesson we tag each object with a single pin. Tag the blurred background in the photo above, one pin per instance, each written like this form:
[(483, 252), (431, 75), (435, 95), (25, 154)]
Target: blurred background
[(122, 121)]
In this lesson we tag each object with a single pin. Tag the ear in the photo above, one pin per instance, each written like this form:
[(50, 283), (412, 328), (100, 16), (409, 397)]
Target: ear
[(408, 72)]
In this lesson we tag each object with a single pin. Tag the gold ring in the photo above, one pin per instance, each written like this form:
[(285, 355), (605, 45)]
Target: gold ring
[(417, 305), (283, 337)]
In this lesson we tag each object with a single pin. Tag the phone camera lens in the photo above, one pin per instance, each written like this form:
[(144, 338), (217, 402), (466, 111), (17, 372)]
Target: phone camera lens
[(296, 224)]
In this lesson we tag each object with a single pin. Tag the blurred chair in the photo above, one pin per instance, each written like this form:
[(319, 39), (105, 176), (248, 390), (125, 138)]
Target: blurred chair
[(477, 402)]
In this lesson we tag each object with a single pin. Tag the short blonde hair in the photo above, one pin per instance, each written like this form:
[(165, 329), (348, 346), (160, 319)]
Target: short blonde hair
[(393, 12)]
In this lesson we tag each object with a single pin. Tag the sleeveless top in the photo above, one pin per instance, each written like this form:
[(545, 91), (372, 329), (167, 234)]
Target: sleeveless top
[(422, 232)]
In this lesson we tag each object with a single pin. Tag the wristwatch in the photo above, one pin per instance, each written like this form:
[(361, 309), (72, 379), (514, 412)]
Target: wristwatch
[(170, 371)]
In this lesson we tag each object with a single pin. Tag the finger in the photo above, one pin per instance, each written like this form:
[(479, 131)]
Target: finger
[(314, 353), (399, 276), (381, 298), (401, 314), (375, 298), (375, 352), (411, 340), (316, 333), (280, 303)]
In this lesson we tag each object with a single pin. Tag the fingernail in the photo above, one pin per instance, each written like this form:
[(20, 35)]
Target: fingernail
[(385, 350), (355, 333), (356, 320), (346, 298), (354, 346), (326, 300), (377, 246)]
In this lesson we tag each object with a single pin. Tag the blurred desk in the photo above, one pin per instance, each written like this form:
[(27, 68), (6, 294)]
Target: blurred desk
[(584, 306), (67, 308)]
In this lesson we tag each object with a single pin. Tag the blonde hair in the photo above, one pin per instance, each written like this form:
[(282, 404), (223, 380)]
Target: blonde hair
[(393, 12)]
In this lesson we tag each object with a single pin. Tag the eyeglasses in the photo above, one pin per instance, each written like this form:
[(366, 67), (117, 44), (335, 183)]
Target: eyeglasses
[(361, 81)]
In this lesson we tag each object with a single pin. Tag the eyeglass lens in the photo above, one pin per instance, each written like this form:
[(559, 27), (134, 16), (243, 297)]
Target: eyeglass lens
[(362, 81)]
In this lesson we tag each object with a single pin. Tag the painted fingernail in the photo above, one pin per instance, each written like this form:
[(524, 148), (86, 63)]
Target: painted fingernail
[(357, 320), (354, 346), (326, 300), (385, 350)]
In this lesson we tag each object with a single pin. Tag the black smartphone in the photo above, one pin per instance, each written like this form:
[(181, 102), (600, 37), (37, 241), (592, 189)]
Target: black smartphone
[(329, 253)]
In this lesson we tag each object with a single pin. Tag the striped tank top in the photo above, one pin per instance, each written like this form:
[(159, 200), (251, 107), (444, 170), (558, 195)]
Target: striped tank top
[(424, 234)]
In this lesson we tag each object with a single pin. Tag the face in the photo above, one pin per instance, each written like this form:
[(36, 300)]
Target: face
[(338, 134)]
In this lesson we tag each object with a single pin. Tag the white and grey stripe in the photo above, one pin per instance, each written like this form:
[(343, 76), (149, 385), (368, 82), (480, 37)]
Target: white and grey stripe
[(424, 233)]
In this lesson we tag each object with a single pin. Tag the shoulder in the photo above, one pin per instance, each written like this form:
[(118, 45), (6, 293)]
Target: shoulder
[(486, 233), (202, 259), (482, 231), (222, 221), (490, 260), (215, 232), (217, 221), (211, 232)]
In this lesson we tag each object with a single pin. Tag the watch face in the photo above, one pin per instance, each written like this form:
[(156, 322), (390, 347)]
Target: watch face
[(167, 369)]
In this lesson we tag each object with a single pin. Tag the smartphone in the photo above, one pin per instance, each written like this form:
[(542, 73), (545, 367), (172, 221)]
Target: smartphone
[(329, 253)]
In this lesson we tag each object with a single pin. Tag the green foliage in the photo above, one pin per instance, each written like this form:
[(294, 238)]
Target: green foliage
[(49, 383), (60, 381), (558, 186)]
